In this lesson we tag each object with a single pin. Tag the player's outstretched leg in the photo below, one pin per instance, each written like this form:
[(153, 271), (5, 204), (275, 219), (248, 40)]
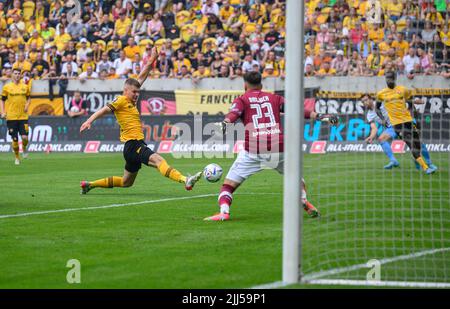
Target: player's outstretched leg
[(225, 199), (108, 182), (167, 171), (307, 206)]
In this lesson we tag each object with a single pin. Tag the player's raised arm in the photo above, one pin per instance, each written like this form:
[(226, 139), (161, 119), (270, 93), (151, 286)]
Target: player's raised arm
[(148, 67), (98, 114), (234, 114)]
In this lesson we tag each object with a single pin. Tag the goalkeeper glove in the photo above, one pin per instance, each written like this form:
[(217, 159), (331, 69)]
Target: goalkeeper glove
[(332, 119), (222, 126)]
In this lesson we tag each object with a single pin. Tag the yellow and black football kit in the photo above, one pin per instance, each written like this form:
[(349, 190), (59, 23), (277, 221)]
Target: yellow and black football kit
[(15, 97), (394, 101), (135, 150)]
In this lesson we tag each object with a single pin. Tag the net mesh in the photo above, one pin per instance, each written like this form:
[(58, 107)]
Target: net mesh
[(399, 217)]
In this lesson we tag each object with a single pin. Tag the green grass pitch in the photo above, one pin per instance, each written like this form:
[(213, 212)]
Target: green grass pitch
[(366, 213)]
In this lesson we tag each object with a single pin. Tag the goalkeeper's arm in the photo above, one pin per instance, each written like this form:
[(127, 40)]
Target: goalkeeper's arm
[(231, 117)]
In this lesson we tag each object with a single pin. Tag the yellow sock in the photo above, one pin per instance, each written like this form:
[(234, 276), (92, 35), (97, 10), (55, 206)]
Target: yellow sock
[(24, 144), (422, 163), (107, 182), (15, 147), (170, 172)]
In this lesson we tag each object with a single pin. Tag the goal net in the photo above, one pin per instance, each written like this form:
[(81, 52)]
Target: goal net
[(378, 226)]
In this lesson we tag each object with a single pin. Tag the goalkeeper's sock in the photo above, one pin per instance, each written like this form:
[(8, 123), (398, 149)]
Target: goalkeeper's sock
[(225, 198), (426, 154), (108, 182), (388, 151), (167, 171), (422, 163), (15, 147)]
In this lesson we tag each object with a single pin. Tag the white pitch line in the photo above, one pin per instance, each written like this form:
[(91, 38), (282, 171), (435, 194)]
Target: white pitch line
[(26, 214)]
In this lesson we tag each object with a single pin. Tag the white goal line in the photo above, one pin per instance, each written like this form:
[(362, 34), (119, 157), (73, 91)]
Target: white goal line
[(314, 278), (340, 270), (402, 284)]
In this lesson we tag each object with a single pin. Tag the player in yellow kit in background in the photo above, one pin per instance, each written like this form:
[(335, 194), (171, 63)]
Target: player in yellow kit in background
[(394, 99), (16, 94), (135, 150)]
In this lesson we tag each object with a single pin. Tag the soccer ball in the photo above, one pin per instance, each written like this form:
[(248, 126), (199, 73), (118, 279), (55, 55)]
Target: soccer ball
[(212, 172), (74, 109)]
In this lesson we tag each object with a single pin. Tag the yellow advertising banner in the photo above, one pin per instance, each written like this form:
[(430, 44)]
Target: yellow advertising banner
[(44, 106), (205, 101), (212, 102)]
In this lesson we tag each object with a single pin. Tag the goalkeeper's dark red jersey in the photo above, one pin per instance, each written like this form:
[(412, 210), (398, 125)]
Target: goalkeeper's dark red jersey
[(260, 113)]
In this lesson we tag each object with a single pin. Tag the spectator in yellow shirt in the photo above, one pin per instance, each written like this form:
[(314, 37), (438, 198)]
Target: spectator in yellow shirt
[(394, 10), (199, 23), (22, 63), (202, 72), (375, 60), (260, 9), (269, 71), (14, 41), (225, 11), (35, 38), (122, 27), (326, 70), (28, 9), (435, 17), (400, 45), (386, 45), (131, 49), (376, 34), (181, 61), (15, 10), (351, 19)]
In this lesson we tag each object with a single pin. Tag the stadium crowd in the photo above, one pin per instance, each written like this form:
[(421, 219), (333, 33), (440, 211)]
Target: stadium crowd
[(105, 39)]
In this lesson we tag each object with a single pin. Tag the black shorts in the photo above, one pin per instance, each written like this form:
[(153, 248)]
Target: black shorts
[(135, 153), (16, 127), (407, 131)]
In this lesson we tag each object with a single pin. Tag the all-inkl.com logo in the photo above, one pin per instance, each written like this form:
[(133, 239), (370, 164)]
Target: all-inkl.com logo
[(74, 12)]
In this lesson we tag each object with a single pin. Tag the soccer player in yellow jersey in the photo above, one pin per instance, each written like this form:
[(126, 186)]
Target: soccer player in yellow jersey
[(16, 94), (135, 151), (394, 99)]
